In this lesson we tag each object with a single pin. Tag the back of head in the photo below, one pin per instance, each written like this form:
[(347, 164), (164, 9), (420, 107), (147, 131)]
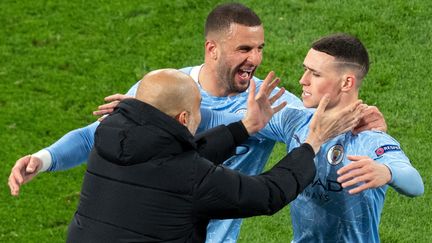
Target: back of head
[(224, 15), (169, 90), (348, 50)]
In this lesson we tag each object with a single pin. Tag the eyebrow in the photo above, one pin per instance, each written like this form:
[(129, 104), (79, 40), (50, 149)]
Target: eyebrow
[(311, 69), (249, 47)]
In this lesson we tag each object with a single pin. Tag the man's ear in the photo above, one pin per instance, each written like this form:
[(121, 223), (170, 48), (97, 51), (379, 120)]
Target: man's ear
[(348, 82), (211, 49), (183, 118)]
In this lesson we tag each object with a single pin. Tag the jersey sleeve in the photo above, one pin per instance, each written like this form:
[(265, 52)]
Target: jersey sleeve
[(284, 123), (74, 148), (211, 118), (405, 179)]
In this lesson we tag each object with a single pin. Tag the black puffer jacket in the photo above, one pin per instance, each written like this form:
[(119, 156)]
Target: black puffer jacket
[(147, 180)]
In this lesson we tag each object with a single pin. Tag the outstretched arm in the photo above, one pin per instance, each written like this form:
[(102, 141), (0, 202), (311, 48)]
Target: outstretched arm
[(71, 150)]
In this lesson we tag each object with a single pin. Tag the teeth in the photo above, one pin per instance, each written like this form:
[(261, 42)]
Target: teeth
[(244, 75), (306, 93)]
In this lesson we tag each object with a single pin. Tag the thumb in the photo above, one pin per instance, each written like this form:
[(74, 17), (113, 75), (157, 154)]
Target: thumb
[(32, 165), (323, 104), (252, 88)]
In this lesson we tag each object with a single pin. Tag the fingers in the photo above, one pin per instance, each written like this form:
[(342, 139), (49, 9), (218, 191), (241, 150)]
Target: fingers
[(352, 174), (358, 179), (268, 79), (372, 119), (353, 108), (323, 104), (252, 88), (377, 125), (13, 185), (16, 177), (102, 112), (279, 107), (117, 97), (34, 165), (363, 172), (361, 188), (110, 105), (106, 108), (277, 96), (269, 84), (272, 86)]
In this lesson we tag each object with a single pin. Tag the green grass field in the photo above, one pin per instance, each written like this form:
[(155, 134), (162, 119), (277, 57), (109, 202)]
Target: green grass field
[(59, 58)]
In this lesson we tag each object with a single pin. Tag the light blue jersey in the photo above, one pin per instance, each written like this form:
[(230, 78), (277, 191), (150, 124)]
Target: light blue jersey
[(250, 158), (324, 211)]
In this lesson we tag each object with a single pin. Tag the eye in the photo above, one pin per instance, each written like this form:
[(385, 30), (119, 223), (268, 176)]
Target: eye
[(315, 74), (245, 50)]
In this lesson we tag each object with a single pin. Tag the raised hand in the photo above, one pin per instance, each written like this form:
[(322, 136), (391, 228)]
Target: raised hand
[(327, 124), (372, 119), (109, 107), (260, 110), (23, 171), (365, 172)]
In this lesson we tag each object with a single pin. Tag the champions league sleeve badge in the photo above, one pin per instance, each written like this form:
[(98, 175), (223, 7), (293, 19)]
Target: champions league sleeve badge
[(386, 148), (335, 154)]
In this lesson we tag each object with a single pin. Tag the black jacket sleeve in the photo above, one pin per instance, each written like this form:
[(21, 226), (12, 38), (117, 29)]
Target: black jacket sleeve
[(224, 193), (219, 143)]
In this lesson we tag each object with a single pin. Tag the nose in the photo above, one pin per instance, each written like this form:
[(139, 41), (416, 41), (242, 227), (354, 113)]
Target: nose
[(255, 57), (304, 80)]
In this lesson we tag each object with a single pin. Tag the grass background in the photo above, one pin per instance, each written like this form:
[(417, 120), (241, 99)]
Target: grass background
[(59, 58)]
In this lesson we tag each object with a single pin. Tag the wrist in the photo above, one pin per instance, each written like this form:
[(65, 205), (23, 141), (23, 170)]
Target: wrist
[(250, 127), (314, 142), (44, 156)]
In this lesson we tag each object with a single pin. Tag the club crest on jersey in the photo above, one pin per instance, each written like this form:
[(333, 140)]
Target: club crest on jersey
[(335, 154), (386, 148)]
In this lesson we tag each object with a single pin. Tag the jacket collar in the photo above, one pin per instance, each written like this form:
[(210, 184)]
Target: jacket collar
[(143, 113)]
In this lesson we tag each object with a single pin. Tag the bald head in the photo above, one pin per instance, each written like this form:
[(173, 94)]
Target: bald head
[(169, 90), (174, 93)]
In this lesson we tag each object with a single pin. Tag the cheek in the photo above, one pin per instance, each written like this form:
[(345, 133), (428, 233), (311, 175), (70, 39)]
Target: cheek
[(323, 88)]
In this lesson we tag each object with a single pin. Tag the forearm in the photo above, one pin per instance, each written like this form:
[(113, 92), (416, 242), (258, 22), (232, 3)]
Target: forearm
[(218, 144), (228, 194), (72, 149), (405, 179)]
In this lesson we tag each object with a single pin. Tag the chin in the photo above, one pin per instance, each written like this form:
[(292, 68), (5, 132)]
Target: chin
[(309, 105)]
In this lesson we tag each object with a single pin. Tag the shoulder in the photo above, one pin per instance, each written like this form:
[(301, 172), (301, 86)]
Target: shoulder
[(376, 143), (186, 70), (374, 137)]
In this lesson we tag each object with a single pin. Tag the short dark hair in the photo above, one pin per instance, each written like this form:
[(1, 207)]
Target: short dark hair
[(222, 16), (347, 49)]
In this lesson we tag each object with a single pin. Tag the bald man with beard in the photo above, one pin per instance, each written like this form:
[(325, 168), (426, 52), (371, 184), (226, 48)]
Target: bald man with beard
[(149, 180)]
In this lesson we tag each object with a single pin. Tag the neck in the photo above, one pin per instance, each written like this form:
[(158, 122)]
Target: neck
[(344, 100), (211, 84)]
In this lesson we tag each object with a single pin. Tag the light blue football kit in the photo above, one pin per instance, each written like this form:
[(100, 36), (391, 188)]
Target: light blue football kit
[(324, 211), (74, 147)]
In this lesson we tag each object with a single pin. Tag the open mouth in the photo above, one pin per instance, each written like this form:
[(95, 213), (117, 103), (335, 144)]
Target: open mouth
[(245, 73), (306, 94)]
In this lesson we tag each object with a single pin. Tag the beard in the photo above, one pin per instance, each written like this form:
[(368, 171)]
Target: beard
[(227, 77)]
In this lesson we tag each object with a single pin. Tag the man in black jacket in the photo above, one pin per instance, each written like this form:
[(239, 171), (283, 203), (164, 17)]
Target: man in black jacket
[(149, 180)]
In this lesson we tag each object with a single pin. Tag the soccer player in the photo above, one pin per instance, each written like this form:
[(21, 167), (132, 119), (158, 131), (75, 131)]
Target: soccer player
[(233, 51), (337, 207)]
